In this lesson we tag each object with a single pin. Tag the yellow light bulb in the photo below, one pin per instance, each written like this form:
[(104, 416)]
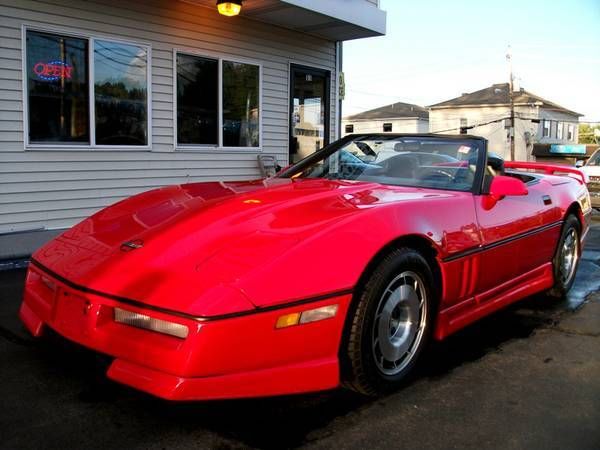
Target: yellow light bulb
[(229, 9)]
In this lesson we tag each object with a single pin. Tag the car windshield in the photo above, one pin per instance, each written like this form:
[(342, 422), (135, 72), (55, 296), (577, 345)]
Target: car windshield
[(428, 162), (594, 159)]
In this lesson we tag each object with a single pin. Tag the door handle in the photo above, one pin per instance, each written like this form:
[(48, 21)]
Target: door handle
[(547, 200)]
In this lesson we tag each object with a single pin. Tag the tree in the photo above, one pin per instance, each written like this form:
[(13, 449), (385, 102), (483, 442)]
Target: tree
[(589, 134)]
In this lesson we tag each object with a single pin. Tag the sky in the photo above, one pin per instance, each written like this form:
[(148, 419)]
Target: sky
[(434, 50)]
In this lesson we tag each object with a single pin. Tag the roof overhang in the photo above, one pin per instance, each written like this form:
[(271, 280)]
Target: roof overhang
[(491, 105), (538, 104), (337, 20), (334, 20)]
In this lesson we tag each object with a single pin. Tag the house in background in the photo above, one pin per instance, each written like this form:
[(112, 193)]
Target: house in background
[(394, 118), (537, 120), (104, 99)]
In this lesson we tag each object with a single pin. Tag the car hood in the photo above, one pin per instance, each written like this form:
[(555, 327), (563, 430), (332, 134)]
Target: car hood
[(208, 248)]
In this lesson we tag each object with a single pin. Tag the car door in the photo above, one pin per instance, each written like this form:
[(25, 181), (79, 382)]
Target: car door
[(518, 234)]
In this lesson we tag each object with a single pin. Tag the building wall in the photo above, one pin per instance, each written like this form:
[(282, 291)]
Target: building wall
[(557, 119), (55, 188), (412, 125), (448, 121)]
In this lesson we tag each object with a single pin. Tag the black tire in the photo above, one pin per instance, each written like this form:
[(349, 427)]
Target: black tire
[(563, 279), (367, 357)]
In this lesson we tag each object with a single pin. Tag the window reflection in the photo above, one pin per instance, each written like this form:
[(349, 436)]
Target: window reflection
[(240, 105), (197, 100), (57, 85), (120, 93), (309, 112)]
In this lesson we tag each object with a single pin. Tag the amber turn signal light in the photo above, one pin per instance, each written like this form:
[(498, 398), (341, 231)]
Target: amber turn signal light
[(310, 315)]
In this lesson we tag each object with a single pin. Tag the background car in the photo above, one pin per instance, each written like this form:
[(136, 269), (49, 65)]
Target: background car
[(592, 170)]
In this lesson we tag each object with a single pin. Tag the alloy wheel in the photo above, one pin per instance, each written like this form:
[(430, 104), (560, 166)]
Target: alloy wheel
[(399, 323), (569, 255)]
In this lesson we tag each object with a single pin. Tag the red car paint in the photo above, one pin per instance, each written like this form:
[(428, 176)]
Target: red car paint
[(228, 259)]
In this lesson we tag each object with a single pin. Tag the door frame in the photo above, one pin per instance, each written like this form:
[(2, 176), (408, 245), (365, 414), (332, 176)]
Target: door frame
[(294, 68)]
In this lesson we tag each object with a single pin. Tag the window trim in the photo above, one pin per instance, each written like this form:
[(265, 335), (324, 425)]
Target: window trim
[(549, 124), (209, 148), (91, 38), (571, 131), (559, 127)]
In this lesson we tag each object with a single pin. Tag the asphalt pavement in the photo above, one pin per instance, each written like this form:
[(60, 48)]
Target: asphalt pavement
[(526, 377)]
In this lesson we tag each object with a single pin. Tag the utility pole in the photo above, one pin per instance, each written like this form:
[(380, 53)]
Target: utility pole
[(512, 104)]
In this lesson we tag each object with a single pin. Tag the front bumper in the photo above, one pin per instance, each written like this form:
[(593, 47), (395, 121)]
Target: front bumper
[(235, 357)]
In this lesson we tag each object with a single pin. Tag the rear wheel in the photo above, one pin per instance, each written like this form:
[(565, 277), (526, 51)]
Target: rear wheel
[(566, 258), (390, 325)]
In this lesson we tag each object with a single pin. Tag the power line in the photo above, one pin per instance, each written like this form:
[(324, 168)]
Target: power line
[(469, 127)]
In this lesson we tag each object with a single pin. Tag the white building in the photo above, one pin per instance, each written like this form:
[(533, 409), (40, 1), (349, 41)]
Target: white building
[(395, 118), (487, 113), (103, 99)]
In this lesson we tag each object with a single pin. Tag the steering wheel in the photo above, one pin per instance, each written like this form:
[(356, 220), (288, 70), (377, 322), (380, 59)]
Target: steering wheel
[(437, 176)]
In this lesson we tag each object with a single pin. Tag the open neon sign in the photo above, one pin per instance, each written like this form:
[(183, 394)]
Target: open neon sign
[(53, 70)]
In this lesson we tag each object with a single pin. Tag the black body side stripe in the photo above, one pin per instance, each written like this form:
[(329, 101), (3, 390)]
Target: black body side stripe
[(501, 242), (138, 304)]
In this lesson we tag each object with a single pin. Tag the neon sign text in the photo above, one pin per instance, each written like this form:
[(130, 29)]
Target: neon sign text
[(53, 70)]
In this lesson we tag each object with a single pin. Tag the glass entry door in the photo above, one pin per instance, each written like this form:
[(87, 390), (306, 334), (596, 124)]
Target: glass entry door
[(309, 111)]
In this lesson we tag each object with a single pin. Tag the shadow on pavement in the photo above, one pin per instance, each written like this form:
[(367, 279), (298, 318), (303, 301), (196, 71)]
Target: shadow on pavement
[(283, 422)]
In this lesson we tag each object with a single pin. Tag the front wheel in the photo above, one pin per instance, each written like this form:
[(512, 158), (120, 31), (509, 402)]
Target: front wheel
[(390, 324), (566, 258)]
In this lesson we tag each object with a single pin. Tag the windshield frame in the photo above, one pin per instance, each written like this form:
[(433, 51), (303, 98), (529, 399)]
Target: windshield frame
[(481, 143)]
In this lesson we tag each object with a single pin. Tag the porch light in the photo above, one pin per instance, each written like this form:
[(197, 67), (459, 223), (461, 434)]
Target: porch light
[(229, 8)]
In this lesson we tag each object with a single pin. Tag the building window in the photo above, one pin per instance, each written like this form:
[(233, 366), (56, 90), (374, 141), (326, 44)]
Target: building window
[(570, 132), (57, 89), (240, 104), (387, 127), (546, 128), (198, 99), (463, 125), (60, 86), (350, 128), (559, 130), (120, 93)]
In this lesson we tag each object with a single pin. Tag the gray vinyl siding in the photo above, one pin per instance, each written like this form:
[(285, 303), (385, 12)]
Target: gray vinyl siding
[(55, 188)]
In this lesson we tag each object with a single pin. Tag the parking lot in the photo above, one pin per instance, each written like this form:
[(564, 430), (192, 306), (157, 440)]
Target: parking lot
[(527, 377)]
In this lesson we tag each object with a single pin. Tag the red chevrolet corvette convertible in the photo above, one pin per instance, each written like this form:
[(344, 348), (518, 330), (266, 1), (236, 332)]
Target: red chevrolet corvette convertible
[(335, 272)]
